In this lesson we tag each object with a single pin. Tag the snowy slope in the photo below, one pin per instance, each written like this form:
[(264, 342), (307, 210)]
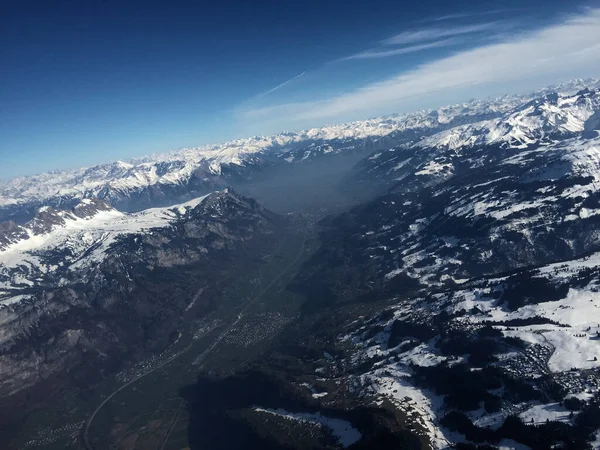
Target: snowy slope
[(548, 117), (481, 211), (66, 249), (485, 240), (545, 338)]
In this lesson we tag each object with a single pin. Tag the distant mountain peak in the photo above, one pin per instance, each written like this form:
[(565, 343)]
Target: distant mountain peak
[(550, 116)]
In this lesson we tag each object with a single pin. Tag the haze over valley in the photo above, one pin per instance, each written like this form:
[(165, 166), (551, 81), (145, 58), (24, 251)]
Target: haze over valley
[(426, 278)]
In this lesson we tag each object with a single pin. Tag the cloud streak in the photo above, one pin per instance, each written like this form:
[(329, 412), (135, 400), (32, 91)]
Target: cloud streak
[(377, 53), (419, 40), (429, 34), (567, 49), (468, 14)]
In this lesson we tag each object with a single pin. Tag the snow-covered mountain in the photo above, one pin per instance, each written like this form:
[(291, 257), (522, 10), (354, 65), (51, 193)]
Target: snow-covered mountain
[(542, 121), (551, 116), (58, 246), (181, 175), (463, 292), (103, 280), (497, 201), (485, 241), (503, 361)]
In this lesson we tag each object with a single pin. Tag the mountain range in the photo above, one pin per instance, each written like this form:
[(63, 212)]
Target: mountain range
[(424, 280), (182, 175)]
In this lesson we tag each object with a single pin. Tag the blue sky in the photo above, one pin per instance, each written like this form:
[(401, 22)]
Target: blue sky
[(84, 82)]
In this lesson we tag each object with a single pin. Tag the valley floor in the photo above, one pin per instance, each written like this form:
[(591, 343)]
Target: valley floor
[(142, 403)]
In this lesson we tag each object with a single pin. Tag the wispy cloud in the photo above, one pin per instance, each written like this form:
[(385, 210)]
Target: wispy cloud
[(378, 53), (418, 40), (468, 14), (279, 86), (566, 49), (449, 17), (429, 34)]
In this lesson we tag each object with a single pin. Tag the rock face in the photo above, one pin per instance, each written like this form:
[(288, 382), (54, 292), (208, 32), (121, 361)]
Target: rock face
[(91, 285)]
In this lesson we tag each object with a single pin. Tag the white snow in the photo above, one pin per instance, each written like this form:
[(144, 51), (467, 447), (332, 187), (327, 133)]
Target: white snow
[(314, 392), (401, 164), (341, 429), (319, 394), (572, 352), (509, 444), (433, 167), (87, 238), (541, 413), (394, 385)]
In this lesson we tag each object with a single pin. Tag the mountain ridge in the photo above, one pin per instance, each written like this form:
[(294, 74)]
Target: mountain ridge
[(106, 287), (178, 176)]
